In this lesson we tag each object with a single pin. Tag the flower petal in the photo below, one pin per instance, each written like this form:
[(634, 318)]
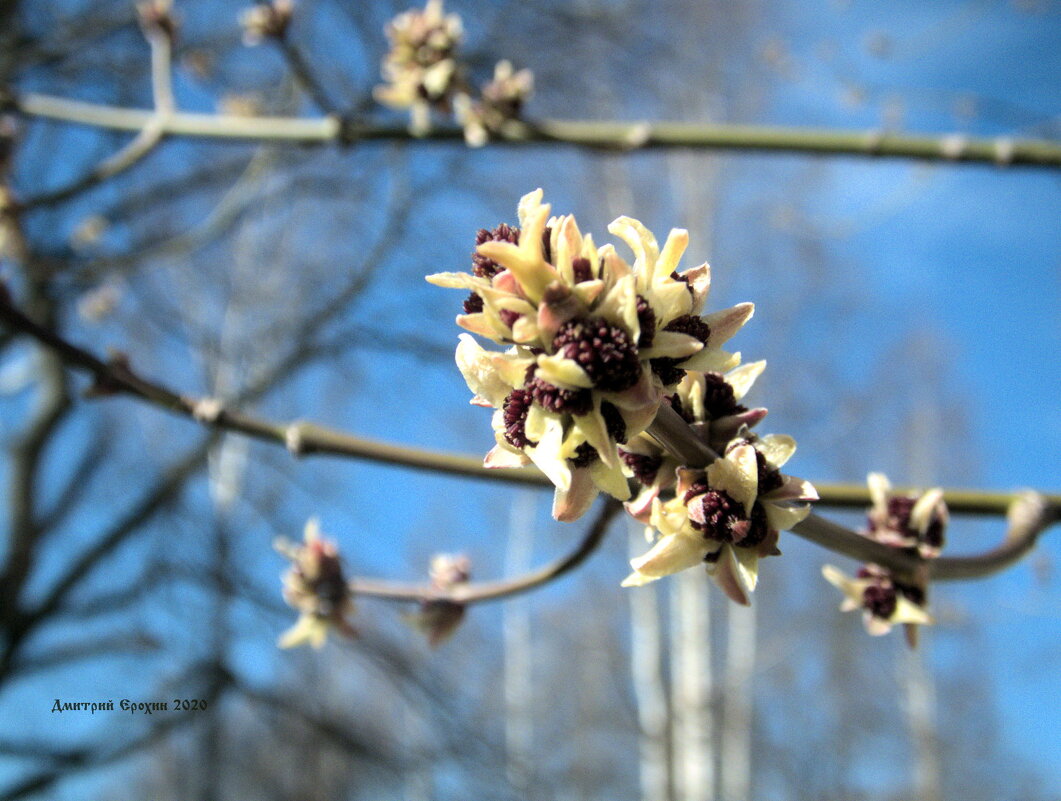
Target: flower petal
[(711, 360), (572, 503), (725, 572), (742, 378), (562, 372), (777, 448), (724, 324), (480, 374), (669, 555), (610, 479)]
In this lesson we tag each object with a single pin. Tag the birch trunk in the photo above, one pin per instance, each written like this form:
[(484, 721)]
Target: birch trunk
[(737, 704), (692, 720), (650, 694), (516, 633)]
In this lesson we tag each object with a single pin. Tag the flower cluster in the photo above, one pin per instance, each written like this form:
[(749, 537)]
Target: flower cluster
[(594, 344), (420, 70), (912, 524), (422, 74), (315, 586)]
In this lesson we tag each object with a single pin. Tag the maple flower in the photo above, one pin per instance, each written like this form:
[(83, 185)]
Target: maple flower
[(594, 343), (914, 522), (500, 102), (710, 404), (314, 585), (884, 601), (420, 69), (727, 516)]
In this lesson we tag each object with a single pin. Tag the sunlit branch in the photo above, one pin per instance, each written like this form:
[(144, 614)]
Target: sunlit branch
[(148, 136), (623, 136), (303, 438)]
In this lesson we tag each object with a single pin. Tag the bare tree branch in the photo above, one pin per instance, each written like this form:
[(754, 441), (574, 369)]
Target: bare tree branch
[(1003, 151)]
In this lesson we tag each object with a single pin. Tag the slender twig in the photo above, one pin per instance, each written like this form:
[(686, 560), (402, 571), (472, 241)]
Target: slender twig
[(304, 74), (303, 438), (623, 136), (147, 138), (477, 592)]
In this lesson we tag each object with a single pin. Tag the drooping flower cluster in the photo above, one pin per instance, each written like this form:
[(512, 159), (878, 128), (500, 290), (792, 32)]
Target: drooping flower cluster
[(595, 344), (315, 586), (423, 74), (914, 524)]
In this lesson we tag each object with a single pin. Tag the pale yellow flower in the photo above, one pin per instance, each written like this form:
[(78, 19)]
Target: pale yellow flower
[(916, 522), (710, 404), (726, 517), (314, 585), (500, 102), (266, 21), (883, 601)]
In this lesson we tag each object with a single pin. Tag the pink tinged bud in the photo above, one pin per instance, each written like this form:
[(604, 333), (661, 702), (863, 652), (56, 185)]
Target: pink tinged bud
[(559, 305)]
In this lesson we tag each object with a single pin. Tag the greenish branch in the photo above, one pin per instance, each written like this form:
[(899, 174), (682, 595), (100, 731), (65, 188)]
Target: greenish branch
[(610, 135)]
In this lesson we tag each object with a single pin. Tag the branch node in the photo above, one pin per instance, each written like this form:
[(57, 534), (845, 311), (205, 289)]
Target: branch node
[(638, 136), (293, 439), (954, 147), (347, 130), (874, 142), (208, 410), (1005, 151)]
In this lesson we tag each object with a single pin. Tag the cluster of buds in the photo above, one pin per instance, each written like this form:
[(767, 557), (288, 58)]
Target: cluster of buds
[(595, 347), (913, 524), (421, 70), (314, 585), (423, 74), (266, 21), (500, 102)]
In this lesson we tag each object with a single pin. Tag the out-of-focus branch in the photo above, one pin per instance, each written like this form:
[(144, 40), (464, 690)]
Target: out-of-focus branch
[(623, 136), (147, 138), (108, 751), (477, 592)]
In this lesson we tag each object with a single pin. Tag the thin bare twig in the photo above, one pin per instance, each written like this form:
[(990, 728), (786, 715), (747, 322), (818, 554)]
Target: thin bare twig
[(477, 592), (147, 138), (623, 136)]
